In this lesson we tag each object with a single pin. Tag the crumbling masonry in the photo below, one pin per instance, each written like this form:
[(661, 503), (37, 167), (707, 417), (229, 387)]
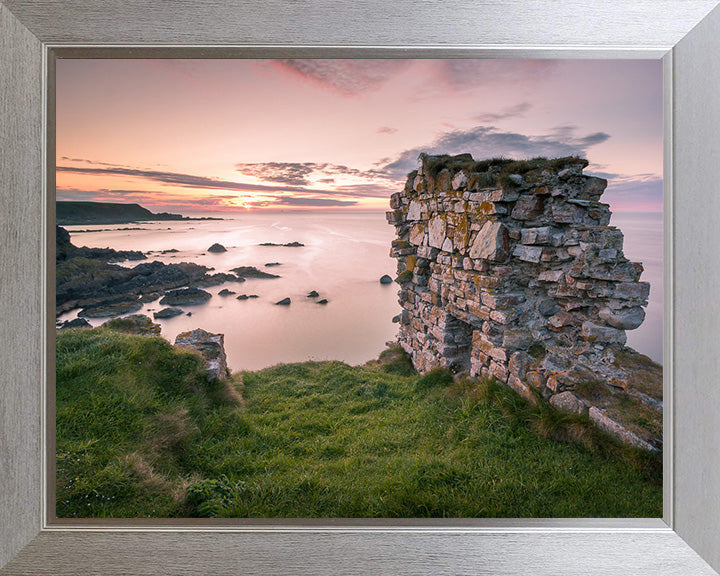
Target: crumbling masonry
[(511, 270)]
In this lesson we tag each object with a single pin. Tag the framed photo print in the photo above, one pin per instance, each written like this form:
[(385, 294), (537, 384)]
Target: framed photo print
[(362, 305)]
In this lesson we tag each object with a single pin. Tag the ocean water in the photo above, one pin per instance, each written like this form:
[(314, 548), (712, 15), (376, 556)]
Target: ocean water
[(344, 256)]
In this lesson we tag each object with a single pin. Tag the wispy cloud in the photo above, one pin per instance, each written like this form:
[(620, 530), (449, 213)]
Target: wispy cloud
[(285, 172), (512, 112), (487, 141), (141, 196), (349, 77), (386, 130), (206, 183), (85, 161), (463, 72), (294, 173)]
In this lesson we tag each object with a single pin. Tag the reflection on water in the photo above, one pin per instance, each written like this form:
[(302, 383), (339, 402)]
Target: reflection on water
[(343, 258)]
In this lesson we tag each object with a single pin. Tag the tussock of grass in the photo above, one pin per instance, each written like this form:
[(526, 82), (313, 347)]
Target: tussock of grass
[(229, 391), (552, 424), (151, 480), (394, 360), (502, 167), (316, 439), (435, 378), (462, 162), (170, 431)]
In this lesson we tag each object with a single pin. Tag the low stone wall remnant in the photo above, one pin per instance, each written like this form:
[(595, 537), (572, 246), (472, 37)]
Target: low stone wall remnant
[(212, 348), (511, 270)]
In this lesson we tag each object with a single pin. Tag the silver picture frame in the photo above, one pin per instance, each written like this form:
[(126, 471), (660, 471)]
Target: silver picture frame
[(685, 34)]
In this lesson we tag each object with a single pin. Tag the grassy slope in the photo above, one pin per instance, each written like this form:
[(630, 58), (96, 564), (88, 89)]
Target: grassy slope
[(141, 434)]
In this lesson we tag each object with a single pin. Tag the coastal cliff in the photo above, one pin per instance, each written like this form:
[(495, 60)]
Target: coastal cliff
[(73, 212)]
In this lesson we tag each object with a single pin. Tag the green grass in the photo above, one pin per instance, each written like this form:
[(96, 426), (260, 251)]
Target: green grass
[(140, 433)]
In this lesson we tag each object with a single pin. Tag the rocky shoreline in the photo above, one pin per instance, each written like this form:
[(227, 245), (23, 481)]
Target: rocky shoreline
[(91, 279)]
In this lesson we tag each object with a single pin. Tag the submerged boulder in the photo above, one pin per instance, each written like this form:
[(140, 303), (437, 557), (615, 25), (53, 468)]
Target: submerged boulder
[(246, 296), (217, 248), (167, 313), (252, 272), (185, 296), (112, 307), (210, 346)]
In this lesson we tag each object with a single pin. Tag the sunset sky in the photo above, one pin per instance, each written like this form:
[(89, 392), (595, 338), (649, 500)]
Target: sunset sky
[(210, 135)]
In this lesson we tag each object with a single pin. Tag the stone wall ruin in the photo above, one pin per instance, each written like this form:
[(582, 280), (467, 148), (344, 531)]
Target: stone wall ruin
[(511, 270)]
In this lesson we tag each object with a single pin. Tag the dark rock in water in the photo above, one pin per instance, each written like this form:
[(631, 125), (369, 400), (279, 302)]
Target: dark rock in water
[(288, 245), (283, 302), (226, 292), (273, 264), (76, 323), (246, 296), (167, 313), (64, 249), (396, 319), (171, 251), (85, 278), (215, 280), (83, 282), (185, 296), (135, 324), (188, 314), (252, 272), (323, 301), (109, 309), (217, 248), (210, 346), (145, 298), (313, 294), (386, 279)]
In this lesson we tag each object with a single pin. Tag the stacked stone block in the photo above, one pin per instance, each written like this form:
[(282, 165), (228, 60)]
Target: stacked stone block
[(513, 274)]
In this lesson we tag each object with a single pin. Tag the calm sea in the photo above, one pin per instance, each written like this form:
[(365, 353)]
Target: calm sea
[(344, 256)]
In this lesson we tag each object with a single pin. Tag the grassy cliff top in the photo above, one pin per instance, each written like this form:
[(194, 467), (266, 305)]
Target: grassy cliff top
[(503, 166), (141, 433)]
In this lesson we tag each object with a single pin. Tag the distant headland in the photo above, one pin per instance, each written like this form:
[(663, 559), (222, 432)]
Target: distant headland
[(71, 212)]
